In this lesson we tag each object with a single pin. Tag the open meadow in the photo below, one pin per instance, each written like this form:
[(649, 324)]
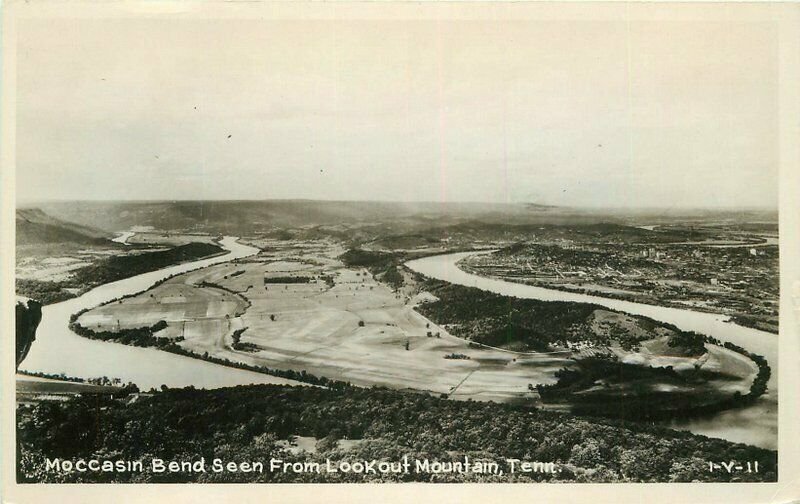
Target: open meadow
[(295, 306)]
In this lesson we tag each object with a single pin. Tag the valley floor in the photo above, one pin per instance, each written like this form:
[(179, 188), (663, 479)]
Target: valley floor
[(295, 306)]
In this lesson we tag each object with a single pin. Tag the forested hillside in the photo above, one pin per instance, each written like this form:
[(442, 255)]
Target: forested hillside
[(248, 423), (530, 324)]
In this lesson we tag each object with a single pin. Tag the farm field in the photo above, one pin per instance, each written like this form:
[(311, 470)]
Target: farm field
[(295, 306), (355, 331)]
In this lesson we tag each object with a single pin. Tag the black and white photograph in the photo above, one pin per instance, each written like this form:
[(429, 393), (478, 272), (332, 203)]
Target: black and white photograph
[(395, 245)]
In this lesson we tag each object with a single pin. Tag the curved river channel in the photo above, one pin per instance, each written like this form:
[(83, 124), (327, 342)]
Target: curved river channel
[(58, 350), (756, 424)]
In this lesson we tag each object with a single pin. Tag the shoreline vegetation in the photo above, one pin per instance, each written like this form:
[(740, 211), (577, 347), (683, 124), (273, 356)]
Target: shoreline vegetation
[(144, 337), (387, 266), (103, 380), (563, 326), (639, 407), (112, 269), (382, 266), (347, 422), (530, 324), (738, 319), (492, 319), (257, 422)]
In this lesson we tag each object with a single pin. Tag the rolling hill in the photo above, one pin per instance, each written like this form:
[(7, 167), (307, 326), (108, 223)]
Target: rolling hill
[(35, 227), (243, 217)]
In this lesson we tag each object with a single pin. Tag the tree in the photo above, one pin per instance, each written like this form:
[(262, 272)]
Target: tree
[(328, 443), (587, 454)]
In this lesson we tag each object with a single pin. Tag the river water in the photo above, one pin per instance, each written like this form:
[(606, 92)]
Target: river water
[(756, 424), (58, 350), (123, 237)]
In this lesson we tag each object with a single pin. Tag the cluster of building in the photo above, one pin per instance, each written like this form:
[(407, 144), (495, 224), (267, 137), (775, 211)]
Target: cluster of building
[(734, 280)]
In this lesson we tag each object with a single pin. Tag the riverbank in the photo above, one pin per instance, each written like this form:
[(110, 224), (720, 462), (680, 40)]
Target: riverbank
[(112, 268), (648, 370), (343, 325), (58, 350), (610, 293), (755, 424)]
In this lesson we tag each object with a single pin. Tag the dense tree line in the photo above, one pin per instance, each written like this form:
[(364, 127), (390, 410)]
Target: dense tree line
[(124, 266), (138, 336), (759, 385), (530, 324), (52, 376), (112, 269), (504, 321), (382, 265), (693, 343), (242, 346), (27, 316), (605, 386), (578, 387), (755, 322), (392, 277), (246, 423), (144, 336), (44, 291), (288, 280), (367, 259)]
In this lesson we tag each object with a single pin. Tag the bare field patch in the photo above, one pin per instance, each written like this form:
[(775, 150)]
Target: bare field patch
[(356, 330), (175, 301), (54, 269)]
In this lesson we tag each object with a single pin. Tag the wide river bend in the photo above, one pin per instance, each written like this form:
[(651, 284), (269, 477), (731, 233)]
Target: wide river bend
[(59, 350), (756, 424)]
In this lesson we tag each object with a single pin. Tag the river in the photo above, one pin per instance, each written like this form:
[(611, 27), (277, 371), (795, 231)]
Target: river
[(58, 350), (123, 237), (756, 424)]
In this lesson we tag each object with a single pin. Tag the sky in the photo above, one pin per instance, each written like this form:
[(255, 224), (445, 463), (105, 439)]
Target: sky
[(577, 113)]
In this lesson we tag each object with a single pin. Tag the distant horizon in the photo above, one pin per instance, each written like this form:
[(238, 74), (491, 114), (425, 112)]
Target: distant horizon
[(33, 203)]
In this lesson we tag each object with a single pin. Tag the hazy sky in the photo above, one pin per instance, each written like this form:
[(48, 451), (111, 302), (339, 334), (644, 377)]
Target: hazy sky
[(573, 113)]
